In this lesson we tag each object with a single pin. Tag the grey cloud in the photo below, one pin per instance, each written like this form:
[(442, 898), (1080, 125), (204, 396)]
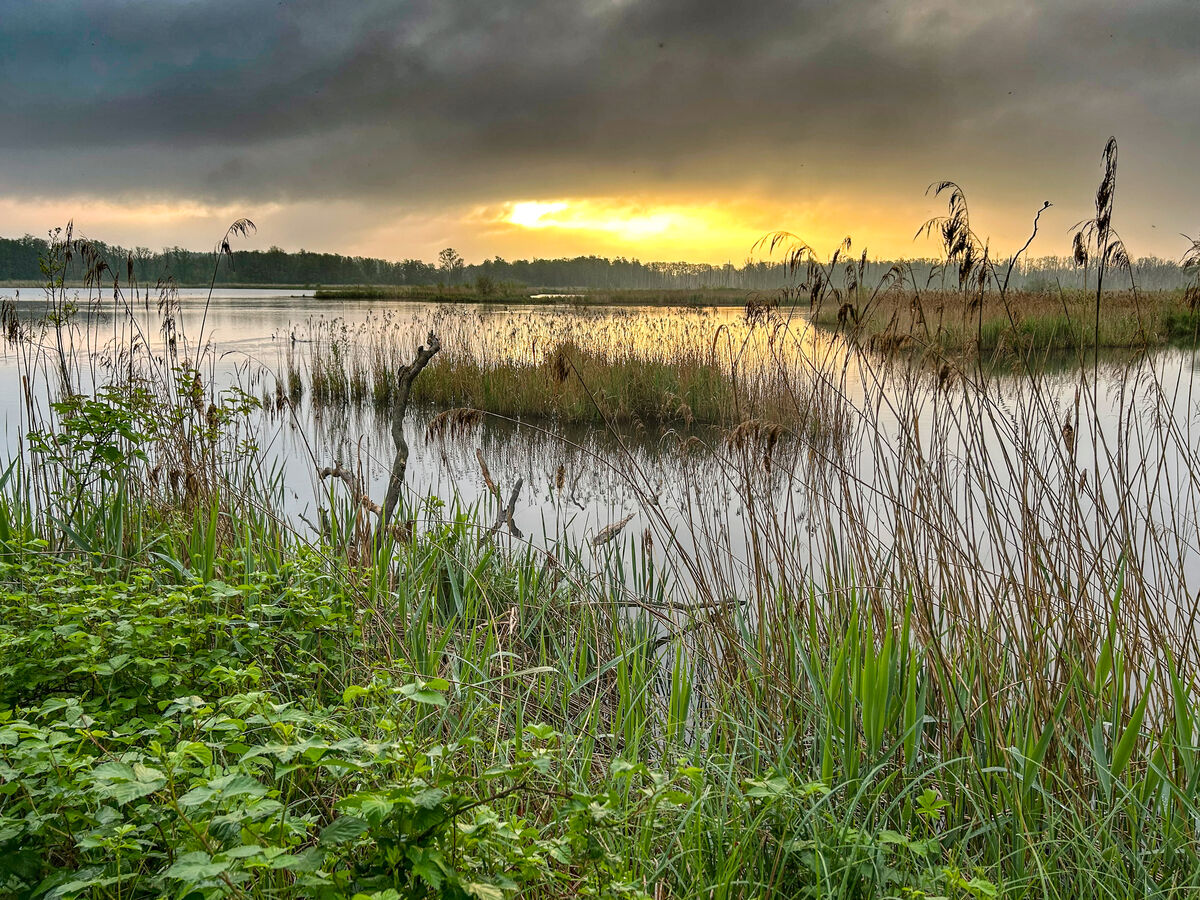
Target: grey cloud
[(429, 100)]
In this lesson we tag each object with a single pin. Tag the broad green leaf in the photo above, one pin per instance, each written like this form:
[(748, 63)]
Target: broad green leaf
[(308, 861), (423, 694), (196, 866), (342, 829), (482, 891), (768, 788)]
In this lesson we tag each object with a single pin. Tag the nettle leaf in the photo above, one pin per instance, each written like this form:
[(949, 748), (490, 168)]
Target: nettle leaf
[(308, 861), (196, 866), (373, 807), (430, 798), (342, 829), (236, 785), (147, 773), (183, 704), (768, 788), (422, 693), (127, 791), (197, 795), (226, 787), (114, 771), (482, 891), (246, 851), (123, 783), (428, 865), (88, 879), (10, 829), (197, 751)]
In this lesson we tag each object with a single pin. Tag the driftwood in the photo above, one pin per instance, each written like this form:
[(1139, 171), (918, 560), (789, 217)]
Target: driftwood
[(405, 379), (504, 515), (487, 475), (606, 534), (336, 471)]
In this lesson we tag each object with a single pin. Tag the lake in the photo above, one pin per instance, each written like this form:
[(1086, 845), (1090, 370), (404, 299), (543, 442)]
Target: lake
[(980, 481)]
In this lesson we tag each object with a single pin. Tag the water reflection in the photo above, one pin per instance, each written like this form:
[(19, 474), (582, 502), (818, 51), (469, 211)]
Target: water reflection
[(974, 481)]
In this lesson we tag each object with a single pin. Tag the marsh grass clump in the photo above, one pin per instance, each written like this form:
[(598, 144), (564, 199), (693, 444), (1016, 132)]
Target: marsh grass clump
[(681, 369), (573, 385), (487, 291), (949, 323)]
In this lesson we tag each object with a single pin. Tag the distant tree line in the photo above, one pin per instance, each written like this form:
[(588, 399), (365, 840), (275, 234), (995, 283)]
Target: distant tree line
[(19, 261)]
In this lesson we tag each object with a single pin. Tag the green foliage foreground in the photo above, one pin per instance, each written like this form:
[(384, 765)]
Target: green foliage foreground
[(196, 702), (466, 723), (161, 735)]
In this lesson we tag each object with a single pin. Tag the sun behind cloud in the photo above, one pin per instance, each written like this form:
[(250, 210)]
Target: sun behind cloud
[(532, 214), (621, 220), (677, 228)]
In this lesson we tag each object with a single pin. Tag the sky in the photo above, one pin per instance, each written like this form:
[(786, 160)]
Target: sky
[(656, 129)]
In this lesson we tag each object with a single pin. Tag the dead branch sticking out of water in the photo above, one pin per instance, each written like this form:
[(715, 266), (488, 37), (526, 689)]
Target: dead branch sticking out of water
[(504, 515), (356, 490), (487, 475), (405, 379), (606, 534)]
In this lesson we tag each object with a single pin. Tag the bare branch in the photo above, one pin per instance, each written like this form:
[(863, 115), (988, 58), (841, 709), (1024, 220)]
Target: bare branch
[(360, 496), (504, 515), (405, 379)]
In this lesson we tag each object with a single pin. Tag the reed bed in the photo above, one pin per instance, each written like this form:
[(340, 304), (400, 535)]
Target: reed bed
[(426, 293), (490, 293), (943, 323), (676, 368)]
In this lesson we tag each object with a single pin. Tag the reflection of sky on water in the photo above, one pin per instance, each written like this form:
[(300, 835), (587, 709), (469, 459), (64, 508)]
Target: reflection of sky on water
[(579, 480)]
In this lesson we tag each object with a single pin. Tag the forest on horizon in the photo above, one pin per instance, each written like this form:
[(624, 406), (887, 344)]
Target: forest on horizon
[(20, 261)]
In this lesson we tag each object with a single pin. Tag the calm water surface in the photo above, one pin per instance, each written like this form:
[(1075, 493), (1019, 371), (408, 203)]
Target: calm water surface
[(577, 481)]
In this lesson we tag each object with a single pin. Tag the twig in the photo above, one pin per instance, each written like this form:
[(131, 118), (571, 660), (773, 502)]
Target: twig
[(504, 515), (336, 471)]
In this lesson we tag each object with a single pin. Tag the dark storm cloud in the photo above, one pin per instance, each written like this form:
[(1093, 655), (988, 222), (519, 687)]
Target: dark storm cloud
[(447, 100)]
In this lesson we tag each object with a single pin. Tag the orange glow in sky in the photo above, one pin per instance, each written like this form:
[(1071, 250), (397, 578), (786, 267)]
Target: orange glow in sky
[(681, 230), (650, 228), (628, 223)]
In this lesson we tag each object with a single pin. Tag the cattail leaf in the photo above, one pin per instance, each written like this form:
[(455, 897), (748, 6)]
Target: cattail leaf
[(1125, 746)]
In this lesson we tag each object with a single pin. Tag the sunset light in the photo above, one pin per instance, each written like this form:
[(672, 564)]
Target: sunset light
[(629, 222)]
